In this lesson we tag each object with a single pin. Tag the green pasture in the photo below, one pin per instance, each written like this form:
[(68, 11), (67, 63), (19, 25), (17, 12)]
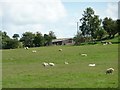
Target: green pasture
[(23, 68)]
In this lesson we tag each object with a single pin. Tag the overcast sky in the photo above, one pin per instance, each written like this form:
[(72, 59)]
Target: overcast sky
[(59, 16)]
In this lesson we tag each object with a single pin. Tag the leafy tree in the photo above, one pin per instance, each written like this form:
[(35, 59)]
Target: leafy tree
[(27, 39), (4, 40), (16, 36), (90, 23), (52, 35), (118, 26), (11, 44), (110, 26), (85, 21), (7, 42), (0, 39), (95, 25), (78, 38), (48, 38), (38, 39), (99, 34)]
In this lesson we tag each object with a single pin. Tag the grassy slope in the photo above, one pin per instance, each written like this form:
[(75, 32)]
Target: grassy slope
[(114, 40), (22, 68)]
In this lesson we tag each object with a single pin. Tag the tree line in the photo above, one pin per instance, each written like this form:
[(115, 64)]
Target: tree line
[(93, 28), (28, 39)]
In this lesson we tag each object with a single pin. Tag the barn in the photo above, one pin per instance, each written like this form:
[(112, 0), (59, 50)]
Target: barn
[(63, 41)]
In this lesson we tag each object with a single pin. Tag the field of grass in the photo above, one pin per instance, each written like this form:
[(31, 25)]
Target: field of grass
[(23, 69)]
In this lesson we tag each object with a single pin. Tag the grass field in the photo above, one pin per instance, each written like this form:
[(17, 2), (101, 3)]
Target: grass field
[(23, 69)]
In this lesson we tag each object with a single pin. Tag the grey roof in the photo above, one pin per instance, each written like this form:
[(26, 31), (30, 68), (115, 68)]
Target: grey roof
[(60, 39)]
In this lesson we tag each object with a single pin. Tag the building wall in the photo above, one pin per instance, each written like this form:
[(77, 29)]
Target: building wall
[(64, 42)]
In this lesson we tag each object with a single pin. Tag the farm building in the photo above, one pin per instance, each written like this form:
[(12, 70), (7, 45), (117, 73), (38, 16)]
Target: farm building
[(63, 41)]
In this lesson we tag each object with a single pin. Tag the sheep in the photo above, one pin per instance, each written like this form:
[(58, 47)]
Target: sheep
[(105, 43), (109, 42), (109, 71), (91, 65), (66, 63), (34, 51), (60, 49), (45, 64), (84, 54), (26, 48), (51, 64)]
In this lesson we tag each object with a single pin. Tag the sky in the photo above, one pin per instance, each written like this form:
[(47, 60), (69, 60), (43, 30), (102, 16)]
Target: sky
[(59, 16)]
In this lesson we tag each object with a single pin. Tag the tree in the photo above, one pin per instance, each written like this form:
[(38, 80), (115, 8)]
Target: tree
[(118, 26), (11, 44), (16, 36), (52, 35), (78, 38), (48, 38), (7, 42), (114, 29), (4, 40), (27, 39), (85, 21), (38, 40), (99, 34), (90, 23), (110, 26), (95, 25), (0, 39)]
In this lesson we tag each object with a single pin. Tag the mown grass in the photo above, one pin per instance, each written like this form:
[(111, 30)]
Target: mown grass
[(23, 69)]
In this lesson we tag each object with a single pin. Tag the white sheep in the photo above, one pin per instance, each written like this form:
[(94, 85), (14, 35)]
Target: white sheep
[(109, 42), (26, 48), (45, 64), (105, 43), (60, 49), (66, 63), (34, 51), (84, 54), (91, 65), (51, 64), (109, 71)]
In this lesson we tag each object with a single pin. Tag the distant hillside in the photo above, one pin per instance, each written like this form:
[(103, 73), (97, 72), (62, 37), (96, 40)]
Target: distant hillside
[(114, 40)]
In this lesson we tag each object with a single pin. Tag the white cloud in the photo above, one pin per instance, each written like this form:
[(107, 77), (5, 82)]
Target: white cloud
[(90, 0), (20, 29), (112, 10), (34, 12), (1, 11), (30, 15)]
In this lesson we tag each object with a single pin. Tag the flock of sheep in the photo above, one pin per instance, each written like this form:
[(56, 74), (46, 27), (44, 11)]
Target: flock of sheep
[(48, 64), (106, 43), (45, 64)]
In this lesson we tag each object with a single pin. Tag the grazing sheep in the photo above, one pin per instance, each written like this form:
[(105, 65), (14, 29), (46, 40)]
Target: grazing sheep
[(45, 64), (84, 54), (34, 51), (66, 63), (109, 42), (109, 71), (51, 64), (60, 49), (26, 48), (105, 43), (91, 65)]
